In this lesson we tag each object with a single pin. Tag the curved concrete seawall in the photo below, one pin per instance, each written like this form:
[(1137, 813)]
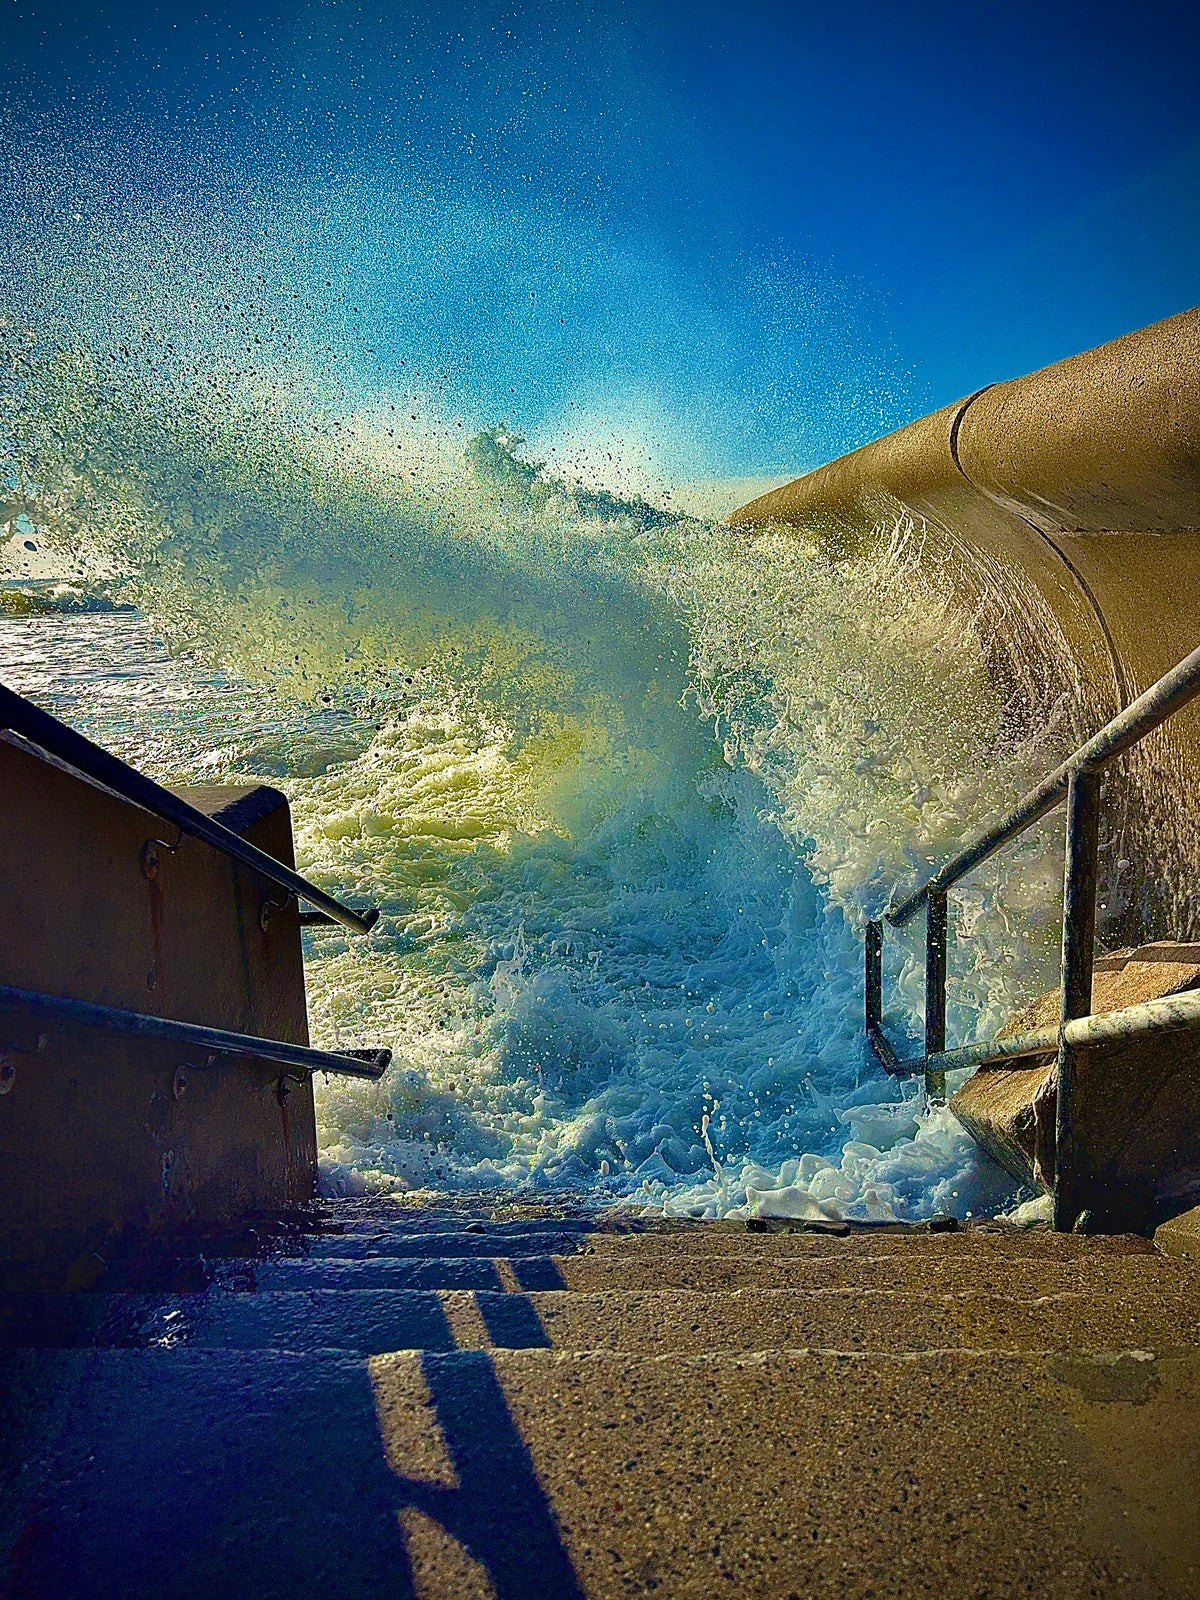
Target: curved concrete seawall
[(1068, 501)]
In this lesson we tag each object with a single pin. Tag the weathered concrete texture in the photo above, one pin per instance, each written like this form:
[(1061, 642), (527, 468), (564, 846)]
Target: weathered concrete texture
[(680, 1240), (84, 918), (545, 1476), (1067, 505), (901, 1414), (720, 1272), (99, 1133), (1181, 1235), (848, 1316), (1137, 1106), (818, 1475)]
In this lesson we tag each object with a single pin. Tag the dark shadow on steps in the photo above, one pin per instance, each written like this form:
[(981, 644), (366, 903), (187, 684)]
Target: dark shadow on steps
[(182, 1475), (537, 1272), (499, 1513), (174, 1474), (512, 1322)]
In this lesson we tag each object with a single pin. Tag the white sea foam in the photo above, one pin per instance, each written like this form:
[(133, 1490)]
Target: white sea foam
[(623, 784)]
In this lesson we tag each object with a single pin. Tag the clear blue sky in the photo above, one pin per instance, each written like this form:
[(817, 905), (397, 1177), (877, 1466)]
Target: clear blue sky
[(904, 201)]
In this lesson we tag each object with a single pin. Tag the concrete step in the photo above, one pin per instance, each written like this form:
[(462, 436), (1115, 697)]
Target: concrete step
[(546, 1476), (361, 1244), (653, 1268), (533, 1259), (1026, 1244), (375, 1321), (723, 1239)]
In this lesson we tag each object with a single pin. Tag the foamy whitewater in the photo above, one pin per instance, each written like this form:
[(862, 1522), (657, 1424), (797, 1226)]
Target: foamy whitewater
[(624, 783)]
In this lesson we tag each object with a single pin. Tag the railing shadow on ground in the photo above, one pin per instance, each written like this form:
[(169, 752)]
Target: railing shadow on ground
[(499, 1512), (175, 1471)]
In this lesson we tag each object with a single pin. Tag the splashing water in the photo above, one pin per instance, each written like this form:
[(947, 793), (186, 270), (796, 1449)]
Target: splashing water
[(623, 782)]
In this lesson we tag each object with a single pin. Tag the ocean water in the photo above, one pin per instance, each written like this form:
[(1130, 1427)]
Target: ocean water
[(624, 783)]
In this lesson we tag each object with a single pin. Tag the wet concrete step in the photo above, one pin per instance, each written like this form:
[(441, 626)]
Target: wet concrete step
[(374, 1321), (654, 1268), (547, 1476), (536, 1257), (717, 1239), (361, 1244)]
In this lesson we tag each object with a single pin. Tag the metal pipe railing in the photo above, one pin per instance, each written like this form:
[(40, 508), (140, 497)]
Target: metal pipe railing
[(1077, 781), (217, 1041), (1172, 691), (38, 727), (1078, 956), (1172, 1013)]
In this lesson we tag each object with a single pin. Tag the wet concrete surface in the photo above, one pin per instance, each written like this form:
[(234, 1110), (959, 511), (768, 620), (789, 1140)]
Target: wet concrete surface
[(679, 1412)]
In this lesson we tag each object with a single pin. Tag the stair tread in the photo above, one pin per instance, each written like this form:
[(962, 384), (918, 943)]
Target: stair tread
[(670, 1240), (377, 1321), (936, 1475), (595, 1271)]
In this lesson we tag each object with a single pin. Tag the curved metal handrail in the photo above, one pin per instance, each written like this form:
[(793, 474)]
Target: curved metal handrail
[(39, 728), (1142, 716)]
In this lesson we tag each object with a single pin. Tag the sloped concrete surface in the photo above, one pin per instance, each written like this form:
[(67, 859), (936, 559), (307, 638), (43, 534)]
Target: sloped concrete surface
[(606, 1409), (1138, 1112)]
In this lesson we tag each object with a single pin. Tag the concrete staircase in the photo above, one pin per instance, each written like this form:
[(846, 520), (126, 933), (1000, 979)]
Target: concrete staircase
[(533, 1403)]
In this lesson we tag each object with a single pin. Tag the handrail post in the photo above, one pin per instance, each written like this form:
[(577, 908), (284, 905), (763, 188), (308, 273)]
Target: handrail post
[(935, 990), (873, 976), (1078, 954)]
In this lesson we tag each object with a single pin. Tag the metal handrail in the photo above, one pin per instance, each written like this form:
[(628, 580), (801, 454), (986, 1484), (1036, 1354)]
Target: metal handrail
[(1077, 781), (1140, 717), (38, 727), (1170, 1013), (217, 1041)]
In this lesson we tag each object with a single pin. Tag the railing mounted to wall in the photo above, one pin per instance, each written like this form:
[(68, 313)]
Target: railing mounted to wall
[(370, 1063), (1078, 782), (47, 733)]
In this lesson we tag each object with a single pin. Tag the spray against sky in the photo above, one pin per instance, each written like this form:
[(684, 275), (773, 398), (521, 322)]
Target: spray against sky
[(734, 243)]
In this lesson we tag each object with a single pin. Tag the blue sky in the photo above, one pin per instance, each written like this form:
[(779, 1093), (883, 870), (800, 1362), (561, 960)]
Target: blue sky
[(840, 216)]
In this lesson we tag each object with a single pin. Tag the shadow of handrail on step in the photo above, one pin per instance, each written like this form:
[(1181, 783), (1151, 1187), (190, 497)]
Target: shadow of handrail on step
[(498, 1512)]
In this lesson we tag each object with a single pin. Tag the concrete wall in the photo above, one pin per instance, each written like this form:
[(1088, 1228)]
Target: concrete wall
[(1070, 501), (99, 1135)]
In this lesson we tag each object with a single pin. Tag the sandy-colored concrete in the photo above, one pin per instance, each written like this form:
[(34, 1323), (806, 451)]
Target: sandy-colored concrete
[(715, 1238), (823, 1475), (595, 1272), (547, 1476), (89, 916), (1164, 1313), (974, 1243), (889, 1414), (1137, 1113), (884, 1320), (99, 1133), (1181, 1235)]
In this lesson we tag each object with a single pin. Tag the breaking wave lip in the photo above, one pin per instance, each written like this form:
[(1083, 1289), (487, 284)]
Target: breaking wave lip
[(624, 783)]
